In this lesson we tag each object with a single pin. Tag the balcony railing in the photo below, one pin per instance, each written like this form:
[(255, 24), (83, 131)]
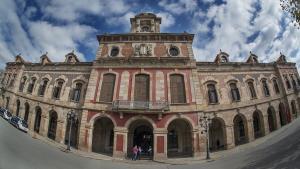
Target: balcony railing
[(140, 105)]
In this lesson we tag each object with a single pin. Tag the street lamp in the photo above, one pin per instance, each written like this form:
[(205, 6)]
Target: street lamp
[(71, 116), (205, 121)]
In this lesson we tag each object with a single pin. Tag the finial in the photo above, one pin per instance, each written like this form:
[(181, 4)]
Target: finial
[(46, 53), (220, 51), (280, 53), (250, 52)]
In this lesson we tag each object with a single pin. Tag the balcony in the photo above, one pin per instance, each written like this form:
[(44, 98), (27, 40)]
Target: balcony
[(120, 105)]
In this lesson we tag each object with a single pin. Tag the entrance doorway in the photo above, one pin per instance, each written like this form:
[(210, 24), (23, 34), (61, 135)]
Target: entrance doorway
[(141, 134)]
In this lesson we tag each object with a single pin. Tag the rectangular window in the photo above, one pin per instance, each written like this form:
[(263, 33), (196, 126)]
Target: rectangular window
[(107, 88)]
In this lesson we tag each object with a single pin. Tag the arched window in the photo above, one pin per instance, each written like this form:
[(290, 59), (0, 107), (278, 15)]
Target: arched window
[(235, 94), (287, 82), (31, 85), (276, 87), (265, 87), (212, 94), (224, 59), (293, 82), (57, 89), (294, 108), (43, 87), (252, 90), (107, 88), (142, 88), (76, 92), (22, 84), (12, 82), (177, 89)]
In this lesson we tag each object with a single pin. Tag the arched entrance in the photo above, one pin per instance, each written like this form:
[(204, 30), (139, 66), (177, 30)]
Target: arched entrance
[(140, 133), (103, 136), (282, 114), (180, 139), (52, 125), (18, 108), (217, 135), (240, 129), (26, 112), (258, 124), (74, 133), (272, 119), (37, 121)]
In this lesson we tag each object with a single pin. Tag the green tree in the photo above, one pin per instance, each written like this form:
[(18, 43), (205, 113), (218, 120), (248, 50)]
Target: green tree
[(293, 8)]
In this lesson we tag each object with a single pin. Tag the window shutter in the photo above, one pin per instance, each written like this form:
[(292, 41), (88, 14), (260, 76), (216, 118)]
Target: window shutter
[(177, 89), (107, 88), (141, 88)]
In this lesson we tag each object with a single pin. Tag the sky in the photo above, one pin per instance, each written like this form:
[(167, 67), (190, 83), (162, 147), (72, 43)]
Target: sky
[(33, 27)]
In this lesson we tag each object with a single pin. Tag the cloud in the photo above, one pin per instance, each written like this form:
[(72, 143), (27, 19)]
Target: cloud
[(122, 21), (167, 20), (31, 38), (178, 7), (231, 26), (70, 10)]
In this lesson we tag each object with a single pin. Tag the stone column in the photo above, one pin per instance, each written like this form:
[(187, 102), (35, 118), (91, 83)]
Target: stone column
[(120, 142), (44, 125), (266, 125), (83, 142), (196, 143), (59, 136), (160, 143), (250, 130), (229, 136), (278, 120), (32, 120)]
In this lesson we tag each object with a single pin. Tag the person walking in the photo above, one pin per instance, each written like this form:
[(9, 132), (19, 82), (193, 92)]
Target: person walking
[(134, 152), (139, 152)]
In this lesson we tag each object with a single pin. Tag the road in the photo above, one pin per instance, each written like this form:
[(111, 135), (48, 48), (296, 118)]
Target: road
[(279, 150)]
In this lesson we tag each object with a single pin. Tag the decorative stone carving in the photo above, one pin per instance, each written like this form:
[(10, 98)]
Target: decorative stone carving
[(143, 50)]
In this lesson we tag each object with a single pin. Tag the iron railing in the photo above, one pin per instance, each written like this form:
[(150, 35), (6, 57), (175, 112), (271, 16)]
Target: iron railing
[(139, 105)]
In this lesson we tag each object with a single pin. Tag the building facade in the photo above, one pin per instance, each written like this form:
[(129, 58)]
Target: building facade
[(145, 88)]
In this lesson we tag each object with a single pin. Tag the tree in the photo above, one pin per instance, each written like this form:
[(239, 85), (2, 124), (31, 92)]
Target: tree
[(293, 8)]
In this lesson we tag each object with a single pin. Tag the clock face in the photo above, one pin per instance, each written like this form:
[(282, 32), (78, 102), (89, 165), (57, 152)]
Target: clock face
[(174, 51), (145, 29), (114, 51)]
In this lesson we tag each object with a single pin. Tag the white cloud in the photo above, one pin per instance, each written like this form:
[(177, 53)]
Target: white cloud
[(122, 21), (70, 10), (235, 21), (18, 34), (167, 20), (178, 7)]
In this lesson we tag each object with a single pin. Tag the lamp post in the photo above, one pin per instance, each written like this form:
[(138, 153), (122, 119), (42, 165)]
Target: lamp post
[(205, 121), (71, 116)]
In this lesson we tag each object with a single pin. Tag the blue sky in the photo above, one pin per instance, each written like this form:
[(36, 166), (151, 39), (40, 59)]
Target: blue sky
[(34, 27)]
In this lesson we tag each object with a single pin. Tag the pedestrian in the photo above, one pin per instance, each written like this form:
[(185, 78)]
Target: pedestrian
[(150, 151), (134, 152), (139, 152)]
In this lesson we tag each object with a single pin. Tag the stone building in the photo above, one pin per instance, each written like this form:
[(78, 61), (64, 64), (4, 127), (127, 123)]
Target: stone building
[(146, 88)]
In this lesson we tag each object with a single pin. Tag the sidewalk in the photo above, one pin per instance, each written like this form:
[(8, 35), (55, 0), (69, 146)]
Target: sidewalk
[(173, 161)]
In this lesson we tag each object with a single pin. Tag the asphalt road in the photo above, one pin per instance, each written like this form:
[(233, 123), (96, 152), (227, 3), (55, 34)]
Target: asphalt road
[(279, 150)]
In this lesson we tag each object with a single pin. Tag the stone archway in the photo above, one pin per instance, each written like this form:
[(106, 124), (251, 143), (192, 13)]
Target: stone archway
[(272, 120), (180, 141), (240, 129), (258, 124), (18, 108), (26, 115), (38, 117), (103, 136), (52, 125), (282, 114), (217, 135), (140, 133)]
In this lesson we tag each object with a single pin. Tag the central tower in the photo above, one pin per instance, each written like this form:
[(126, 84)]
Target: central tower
[(145, 23)]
